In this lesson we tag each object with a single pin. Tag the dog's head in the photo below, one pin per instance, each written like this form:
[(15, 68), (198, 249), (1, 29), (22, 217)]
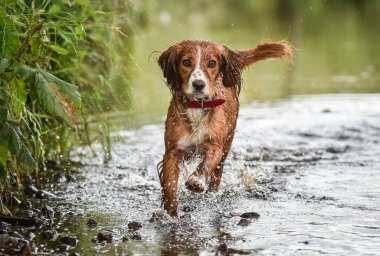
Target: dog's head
[(197, 68)]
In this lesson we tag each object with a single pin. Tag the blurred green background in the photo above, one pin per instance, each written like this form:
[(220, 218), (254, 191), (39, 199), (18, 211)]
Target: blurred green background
[(337, 45)]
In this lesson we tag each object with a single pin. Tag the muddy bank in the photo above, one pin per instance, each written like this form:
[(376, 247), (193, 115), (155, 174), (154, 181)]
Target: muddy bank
[(304, 171)]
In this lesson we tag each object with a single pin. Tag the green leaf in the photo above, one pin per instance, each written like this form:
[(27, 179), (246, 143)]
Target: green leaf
[(58, 49), (14, 141), (4, 133), (11, 139), (4, 64), (11, 45), (25, 72), (56, 96), (70, 90), (52, 100), (18, 91), (3, 114), (18, 148)]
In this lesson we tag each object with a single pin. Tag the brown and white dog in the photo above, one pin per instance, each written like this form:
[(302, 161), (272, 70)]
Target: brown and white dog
[(205, 79)]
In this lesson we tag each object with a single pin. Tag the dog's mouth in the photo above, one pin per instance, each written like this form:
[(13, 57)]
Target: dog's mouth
[(199, 97)]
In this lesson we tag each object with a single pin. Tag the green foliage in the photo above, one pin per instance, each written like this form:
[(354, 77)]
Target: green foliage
[(45, 48), (55, 96)]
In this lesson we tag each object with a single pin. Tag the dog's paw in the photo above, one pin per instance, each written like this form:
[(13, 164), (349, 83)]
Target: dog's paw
[(195, 184)]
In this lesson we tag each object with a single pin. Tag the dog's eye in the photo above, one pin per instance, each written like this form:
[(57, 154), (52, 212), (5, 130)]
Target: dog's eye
[(211, 63), (186, 63)]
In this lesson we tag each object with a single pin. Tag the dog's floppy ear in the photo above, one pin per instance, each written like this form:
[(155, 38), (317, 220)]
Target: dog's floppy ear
[(168, 62), (231, 68)]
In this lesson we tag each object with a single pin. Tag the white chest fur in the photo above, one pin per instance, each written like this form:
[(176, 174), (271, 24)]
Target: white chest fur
[(199, 128)]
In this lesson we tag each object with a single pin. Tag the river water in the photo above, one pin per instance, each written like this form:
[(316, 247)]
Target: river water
[(308, 165)]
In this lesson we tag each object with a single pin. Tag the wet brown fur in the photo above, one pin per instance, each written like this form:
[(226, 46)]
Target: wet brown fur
[(220, 122)]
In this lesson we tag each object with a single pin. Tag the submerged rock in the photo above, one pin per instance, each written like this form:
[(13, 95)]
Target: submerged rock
[(69, 240), (134, 225), (106, 236), (48, 234), (92, 223), (47, 211), (244, 222), (223, 248), (250, 215), (13, 246)]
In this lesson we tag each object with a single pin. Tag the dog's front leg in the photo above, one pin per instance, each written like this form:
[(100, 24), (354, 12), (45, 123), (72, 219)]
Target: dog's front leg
[(198, 181), (169, 180)]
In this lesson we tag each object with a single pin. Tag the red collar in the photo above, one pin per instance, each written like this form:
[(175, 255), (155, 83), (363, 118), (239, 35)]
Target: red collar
[(204, 104)]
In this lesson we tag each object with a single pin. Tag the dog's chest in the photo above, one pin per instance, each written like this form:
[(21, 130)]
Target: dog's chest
[(198, 129)]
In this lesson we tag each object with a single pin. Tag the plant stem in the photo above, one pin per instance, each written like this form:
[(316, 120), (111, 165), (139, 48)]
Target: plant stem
[(25, 42)]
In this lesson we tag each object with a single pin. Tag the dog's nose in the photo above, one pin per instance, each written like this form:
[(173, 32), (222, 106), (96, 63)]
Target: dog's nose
[(199, 85)]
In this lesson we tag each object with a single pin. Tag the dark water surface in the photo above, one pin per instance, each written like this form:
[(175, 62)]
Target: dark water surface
[(310, 166)]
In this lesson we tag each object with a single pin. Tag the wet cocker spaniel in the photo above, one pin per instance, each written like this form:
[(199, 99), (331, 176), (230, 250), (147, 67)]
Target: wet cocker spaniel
[(205, 79)]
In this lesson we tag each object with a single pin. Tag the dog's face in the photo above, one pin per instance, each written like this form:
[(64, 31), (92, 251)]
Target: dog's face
[(197, 68)]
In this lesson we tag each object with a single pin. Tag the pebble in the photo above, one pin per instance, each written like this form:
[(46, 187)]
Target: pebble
[(250, 215), (47, 211), (92, 223), (48, 234), (222, 248), (134, 225), (244, 222), (69, 240), (106, 236), (13, 246)]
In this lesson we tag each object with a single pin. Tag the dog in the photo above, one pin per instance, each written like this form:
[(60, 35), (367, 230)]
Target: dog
[(205, 81)]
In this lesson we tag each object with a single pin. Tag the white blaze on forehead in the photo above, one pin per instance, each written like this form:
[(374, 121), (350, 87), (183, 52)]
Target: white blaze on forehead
[(198, 73), (198, 58)]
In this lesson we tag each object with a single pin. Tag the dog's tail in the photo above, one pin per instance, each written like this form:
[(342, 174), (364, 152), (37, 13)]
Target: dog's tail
[(266, 51)]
